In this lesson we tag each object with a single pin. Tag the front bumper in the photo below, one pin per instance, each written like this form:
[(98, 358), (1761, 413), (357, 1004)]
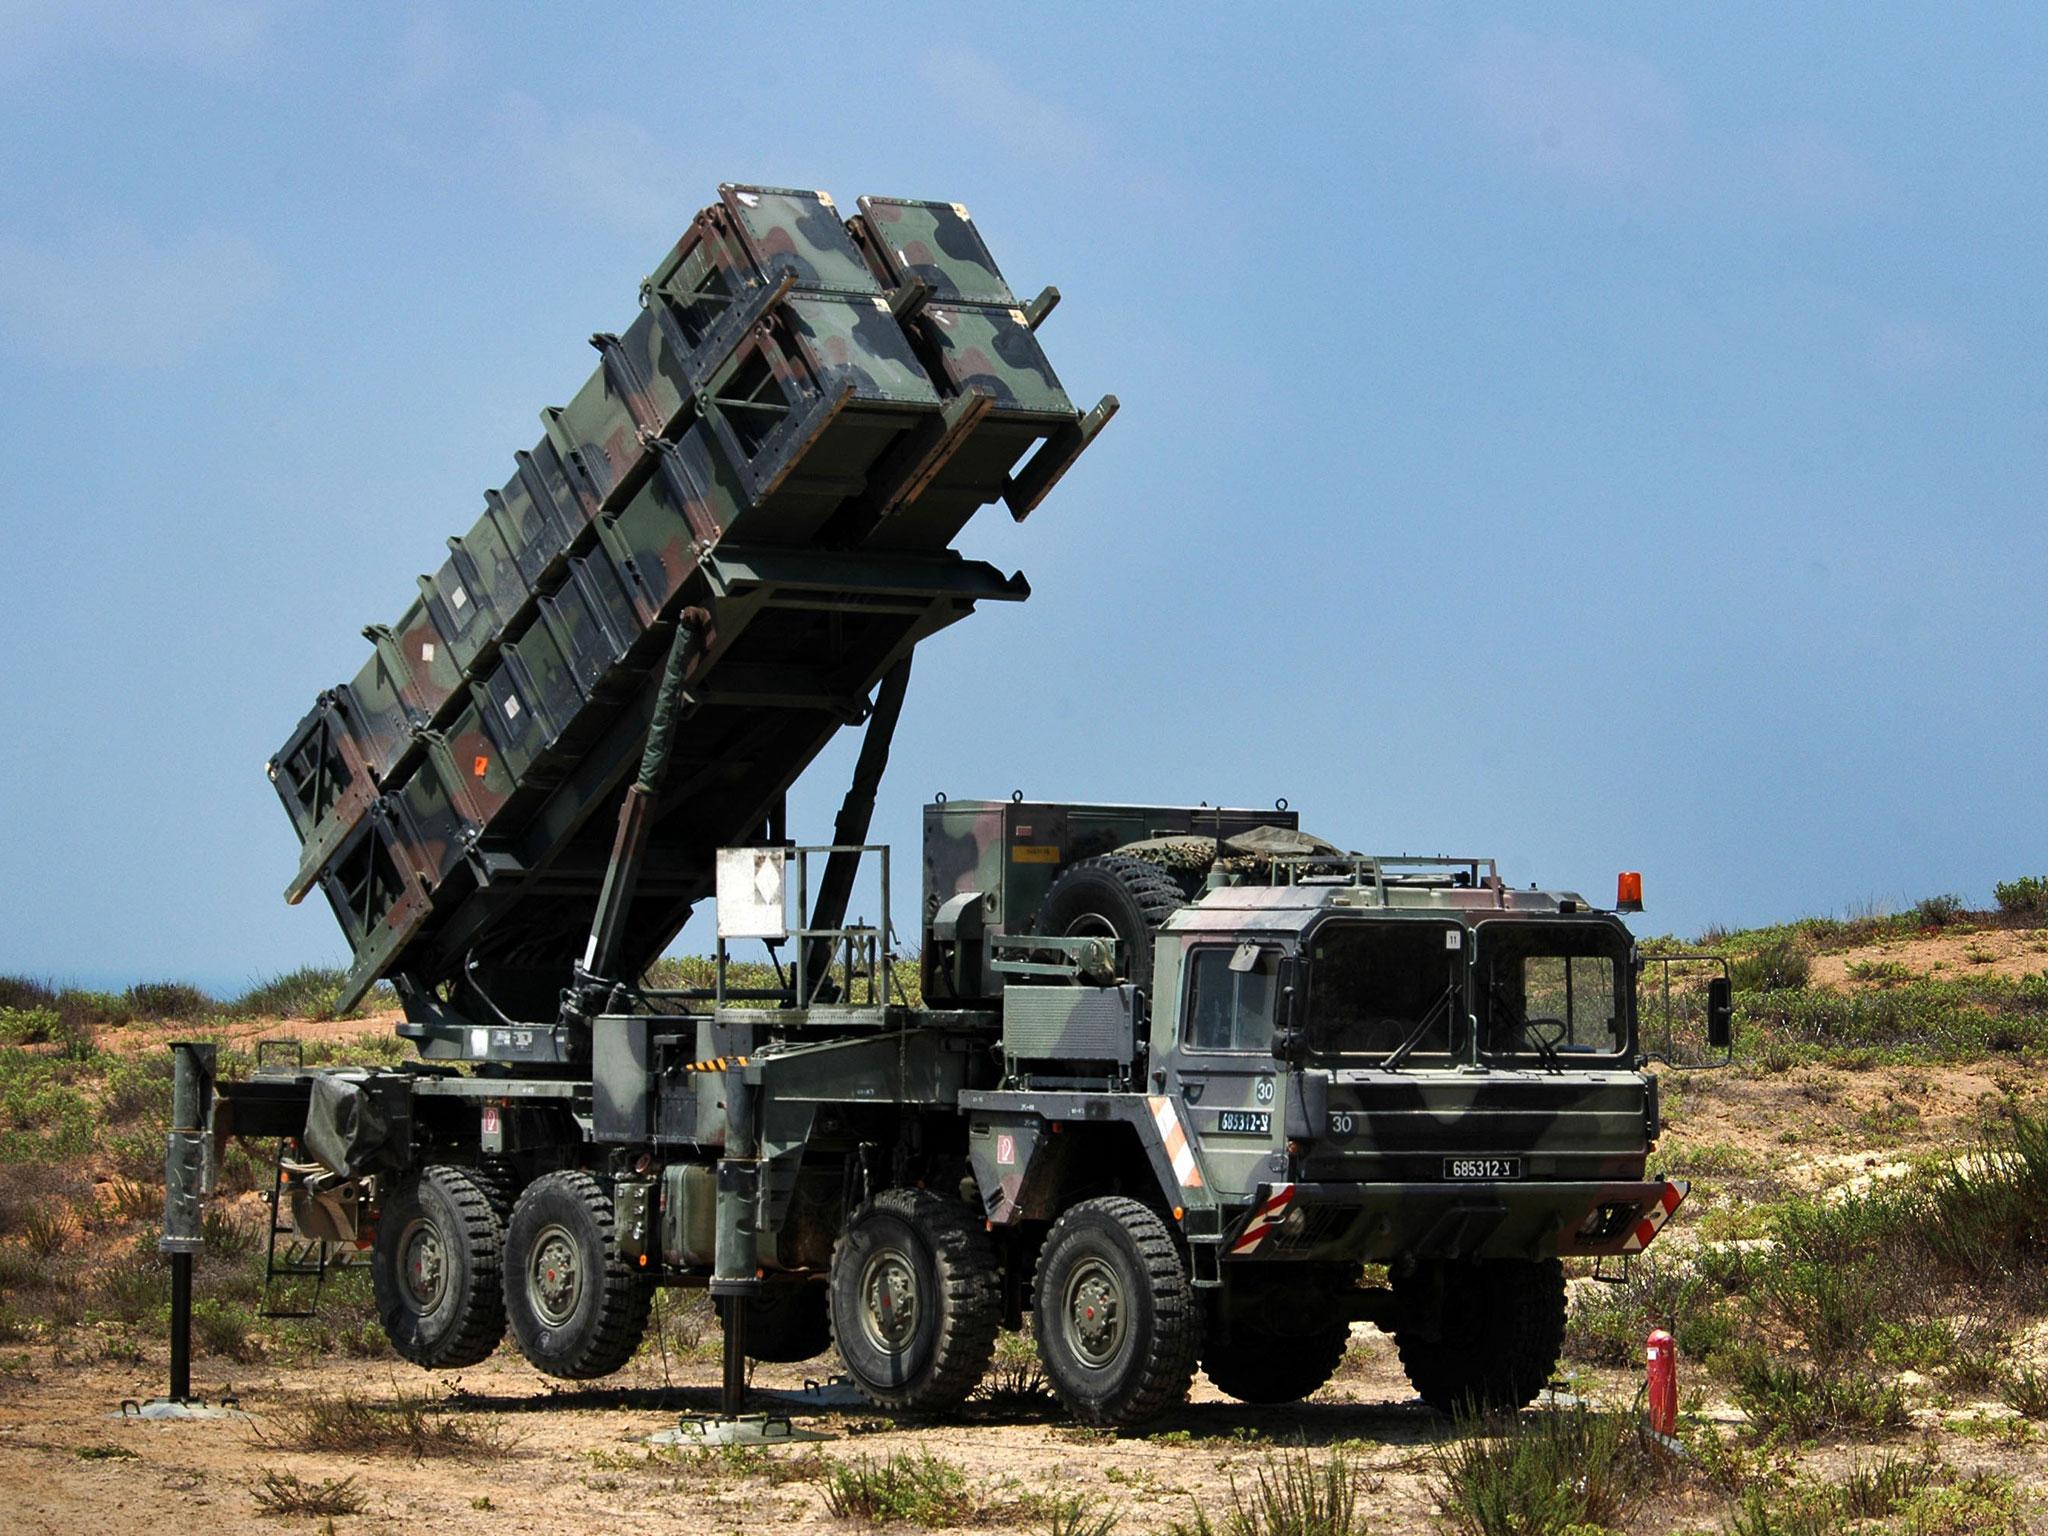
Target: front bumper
[(1373, 1223)]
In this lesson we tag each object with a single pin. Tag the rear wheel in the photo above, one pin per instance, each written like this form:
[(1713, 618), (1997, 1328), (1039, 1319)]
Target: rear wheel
[(1261, 1365), (1482, 1335), (785, 1323), (1113, 897), (434, 1267), (915, 1303), (577, 1309), (1113, 1313)]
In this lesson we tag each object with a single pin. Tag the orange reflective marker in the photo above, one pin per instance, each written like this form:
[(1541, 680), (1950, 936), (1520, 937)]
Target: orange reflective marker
[(483, 766)]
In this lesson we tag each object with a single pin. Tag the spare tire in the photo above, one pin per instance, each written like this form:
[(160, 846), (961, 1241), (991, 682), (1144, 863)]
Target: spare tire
[(1115, 897)]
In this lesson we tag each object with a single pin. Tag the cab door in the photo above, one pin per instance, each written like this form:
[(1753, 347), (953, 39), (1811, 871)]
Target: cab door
[(1228, 1077)]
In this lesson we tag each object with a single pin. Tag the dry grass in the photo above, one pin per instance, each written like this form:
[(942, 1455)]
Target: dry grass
[(281, 1493), (408, 1424)]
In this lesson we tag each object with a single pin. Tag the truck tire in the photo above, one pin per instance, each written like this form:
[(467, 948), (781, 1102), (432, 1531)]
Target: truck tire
[(1495, 1329), (1113, 1313), (434, 1267), (1257, 1366), (915, 1303), (1116, 897), (577, 1309), (786, 1323)]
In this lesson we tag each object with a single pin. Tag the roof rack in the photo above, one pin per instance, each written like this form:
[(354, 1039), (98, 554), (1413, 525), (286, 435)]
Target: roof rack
[(1379, 871)]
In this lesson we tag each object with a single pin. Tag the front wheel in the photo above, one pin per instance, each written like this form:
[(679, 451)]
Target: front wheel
[(1480, 1335), (577, 1309), (915, 1304), (1114, 1314)]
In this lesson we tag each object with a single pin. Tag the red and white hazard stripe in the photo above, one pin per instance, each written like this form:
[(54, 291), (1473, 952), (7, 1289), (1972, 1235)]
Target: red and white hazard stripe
[(1274, 1201), (1675, 1190), (1178, 1150)]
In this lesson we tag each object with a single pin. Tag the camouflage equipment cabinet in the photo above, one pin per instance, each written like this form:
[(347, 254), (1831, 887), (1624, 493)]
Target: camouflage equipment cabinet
[(1184, 1084)]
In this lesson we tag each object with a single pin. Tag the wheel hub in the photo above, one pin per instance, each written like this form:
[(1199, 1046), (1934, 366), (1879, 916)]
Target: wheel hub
[(423, 1265), (1094, 1312), (889, 1303), (555, 1276)]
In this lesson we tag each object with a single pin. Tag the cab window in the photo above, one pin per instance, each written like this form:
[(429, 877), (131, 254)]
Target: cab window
[(1553, 989), (1232, 994)]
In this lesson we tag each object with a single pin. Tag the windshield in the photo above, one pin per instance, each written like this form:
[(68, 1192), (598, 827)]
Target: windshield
[(1385, 989), (1550, 990)]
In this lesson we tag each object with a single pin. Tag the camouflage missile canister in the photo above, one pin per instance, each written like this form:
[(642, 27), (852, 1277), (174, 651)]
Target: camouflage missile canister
[(790, 433)]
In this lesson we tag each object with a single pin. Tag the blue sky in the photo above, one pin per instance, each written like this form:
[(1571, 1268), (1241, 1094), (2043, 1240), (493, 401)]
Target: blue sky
[(1597, 438)]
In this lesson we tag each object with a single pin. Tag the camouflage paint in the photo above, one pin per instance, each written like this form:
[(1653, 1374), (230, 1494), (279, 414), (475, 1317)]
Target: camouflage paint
[(937, 244), (765, 392)]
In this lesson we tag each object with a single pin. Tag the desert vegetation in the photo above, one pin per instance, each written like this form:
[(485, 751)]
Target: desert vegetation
[(1858, 1287)]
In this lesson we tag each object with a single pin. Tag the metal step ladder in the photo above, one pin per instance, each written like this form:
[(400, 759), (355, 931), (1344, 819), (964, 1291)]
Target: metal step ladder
[(290, 1261)]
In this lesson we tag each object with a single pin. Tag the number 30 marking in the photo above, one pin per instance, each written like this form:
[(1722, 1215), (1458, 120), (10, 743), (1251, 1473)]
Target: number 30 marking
[(1340, 1125)]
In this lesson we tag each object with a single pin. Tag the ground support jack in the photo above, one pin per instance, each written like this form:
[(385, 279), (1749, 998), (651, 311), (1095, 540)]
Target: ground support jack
[(187, 1180), (179, 1403)]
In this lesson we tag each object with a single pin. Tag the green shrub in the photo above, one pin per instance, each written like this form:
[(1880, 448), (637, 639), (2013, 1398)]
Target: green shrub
[(306, 993), (1079, 1517), (169, 1000), (1965, 1019), (1547, 1472), (1802, 1401), (1777, 966), (1987, 1214), (1803, 1512), (226, 1236), (2024, 897), (221, 1327), (923, 1489), (22, 992), (1872, 1491), (1878, 972), (1937, 911), (2025, 1392), (1294, 1495), (1608, 1323), (28, 1026)]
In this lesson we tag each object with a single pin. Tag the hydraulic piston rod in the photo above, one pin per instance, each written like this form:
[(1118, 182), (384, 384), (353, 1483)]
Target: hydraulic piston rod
[(636, 814)]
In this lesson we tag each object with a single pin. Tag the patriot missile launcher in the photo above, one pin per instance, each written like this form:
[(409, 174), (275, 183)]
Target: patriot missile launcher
[(1176, 1075), (787, 438)]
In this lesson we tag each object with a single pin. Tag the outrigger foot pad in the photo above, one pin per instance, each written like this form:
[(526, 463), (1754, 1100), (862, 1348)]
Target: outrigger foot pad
[(700, 1430), (170, 1408)]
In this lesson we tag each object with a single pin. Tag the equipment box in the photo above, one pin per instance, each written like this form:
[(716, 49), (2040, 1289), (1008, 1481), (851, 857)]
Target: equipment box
[(1011, 850)]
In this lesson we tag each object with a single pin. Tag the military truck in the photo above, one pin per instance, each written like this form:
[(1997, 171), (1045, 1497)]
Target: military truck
[(1185, 1086)]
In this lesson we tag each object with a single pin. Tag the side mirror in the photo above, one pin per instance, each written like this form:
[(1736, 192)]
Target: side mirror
[(1290, 1038), (1720, 1014)]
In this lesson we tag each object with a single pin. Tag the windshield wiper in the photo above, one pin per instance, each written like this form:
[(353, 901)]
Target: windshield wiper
[(1441, 1006)]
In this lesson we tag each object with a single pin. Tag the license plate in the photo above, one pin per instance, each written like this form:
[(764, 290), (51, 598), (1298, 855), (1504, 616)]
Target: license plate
[(1247, 1122), (1482, 1167)]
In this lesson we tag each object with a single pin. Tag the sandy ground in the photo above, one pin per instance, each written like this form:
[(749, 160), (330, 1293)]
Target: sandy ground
[(245, 1034), (2007, 952), (578, 1459)]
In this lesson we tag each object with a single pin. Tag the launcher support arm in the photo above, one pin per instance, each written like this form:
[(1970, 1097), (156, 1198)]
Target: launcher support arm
[(856, 811), (636, 813)]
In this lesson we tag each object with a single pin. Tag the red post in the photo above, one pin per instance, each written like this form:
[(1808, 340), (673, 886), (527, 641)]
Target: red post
[(1661, 1366)]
